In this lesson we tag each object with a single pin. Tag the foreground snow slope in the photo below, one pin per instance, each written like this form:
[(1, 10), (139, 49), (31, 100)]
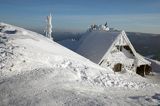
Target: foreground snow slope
[(24, 50), (38, 71)]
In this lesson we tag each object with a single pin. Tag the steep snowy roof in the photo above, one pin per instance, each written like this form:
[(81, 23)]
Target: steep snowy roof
[(96, 43)]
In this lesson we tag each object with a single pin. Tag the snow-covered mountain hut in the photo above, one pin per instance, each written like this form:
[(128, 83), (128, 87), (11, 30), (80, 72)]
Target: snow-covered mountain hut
[(113, 49)]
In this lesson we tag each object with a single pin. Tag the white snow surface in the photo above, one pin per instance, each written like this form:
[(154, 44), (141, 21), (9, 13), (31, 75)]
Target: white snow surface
[(35, 71), (93, 45)]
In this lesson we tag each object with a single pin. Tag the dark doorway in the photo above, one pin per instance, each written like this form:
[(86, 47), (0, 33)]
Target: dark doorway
[(144, 70), (118, 67)]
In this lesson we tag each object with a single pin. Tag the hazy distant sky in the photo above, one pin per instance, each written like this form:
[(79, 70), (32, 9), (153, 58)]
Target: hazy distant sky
[(77, 15)]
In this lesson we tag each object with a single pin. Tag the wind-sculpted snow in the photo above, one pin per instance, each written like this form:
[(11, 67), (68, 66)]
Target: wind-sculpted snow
[(99, 77), (110, 80), (6, 53), (54, 87)]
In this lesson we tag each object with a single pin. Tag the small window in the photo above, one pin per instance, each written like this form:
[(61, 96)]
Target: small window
[(118, 67)]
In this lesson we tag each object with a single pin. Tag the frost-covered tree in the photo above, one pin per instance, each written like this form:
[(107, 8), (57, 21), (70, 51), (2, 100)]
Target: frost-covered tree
[(95, 27), (49, 27)]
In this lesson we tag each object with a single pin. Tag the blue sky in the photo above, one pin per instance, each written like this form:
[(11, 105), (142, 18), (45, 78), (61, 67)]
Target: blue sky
[(77, 15)]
